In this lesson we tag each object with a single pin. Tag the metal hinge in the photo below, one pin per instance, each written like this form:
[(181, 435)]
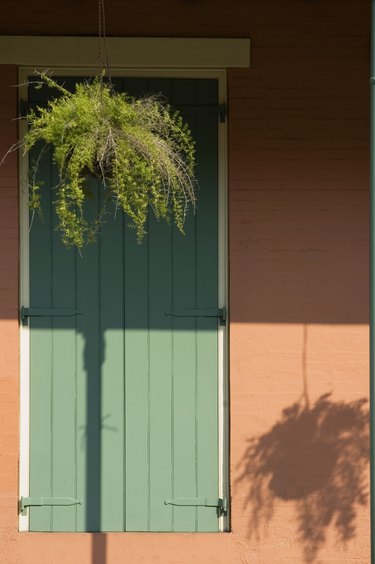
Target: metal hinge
[(223, 112), (221, 313), (26, 502), (213, 109), (27, 312), (220, 503)]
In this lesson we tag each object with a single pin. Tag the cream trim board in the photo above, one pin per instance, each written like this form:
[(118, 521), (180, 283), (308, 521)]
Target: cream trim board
[(24, 330), (27, 71), (223, 365), (136, 52), (223, 332)]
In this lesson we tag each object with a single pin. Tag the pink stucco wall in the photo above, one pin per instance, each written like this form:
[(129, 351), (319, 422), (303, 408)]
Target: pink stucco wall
[(298, 194)]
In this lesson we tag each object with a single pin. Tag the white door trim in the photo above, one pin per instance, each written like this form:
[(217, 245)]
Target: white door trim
[(24, 329)]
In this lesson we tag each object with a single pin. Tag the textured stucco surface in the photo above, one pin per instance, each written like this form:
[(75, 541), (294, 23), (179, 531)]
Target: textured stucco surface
[(298, 197)]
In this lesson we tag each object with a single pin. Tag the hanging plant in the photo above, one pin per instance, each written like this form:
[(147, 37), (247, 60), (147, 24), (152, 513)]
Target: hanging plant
[(141, 151)]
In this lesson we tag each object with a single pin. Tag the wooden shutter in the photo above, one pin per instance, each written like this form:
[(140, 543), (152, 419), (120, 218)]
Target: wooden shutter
[(124, 414)]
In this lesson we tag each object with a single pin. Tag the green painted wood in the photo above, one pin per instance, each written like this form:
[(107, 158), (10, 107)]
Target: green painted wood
[(41, 365), (160, 285), (207, 296), (128, 416), (184, 365), (89, 357), (112, 373), (64, 381), (136, 385), (137, 368)]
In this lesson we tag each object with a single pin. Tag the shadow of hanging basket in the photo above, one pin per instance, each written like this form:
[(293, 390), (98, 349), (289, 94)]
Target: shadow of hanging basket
[(315, 456)]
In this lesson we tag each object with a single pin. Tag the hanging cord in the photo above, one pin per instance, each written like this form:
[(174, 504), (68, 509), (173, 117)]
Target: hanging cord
[(103, 59), (99, 59)]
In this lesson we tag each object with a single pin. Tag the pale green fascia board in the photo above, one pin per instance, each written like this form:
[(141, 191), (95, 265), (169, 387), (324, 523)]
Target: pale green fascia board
[(131, 52)]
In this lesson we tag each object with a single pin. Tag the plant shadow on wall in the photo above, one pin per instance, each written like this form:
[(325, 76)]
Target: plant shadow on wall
[(315, 456)]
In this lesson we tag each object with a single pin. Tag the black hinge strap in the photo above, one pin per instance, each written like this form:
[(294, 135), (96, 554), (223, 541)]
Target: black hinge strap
[(213, 109), (220, 503), (43, 501), (47, 312), (199, 312)]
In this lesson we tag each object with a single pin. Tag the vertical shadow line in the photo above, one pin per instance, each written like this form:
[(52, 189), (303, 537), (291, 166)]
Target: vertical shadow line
[(196, 326), (76, 386), (94, 446), (52, 341), (172, 375), (93, 402), (100, 360), (123, 254), (148, 382)]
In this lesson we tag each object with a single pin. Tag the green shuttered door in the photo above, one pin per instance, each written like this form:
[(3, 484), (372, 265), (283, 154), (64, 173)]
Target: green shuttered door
[(124, 408)]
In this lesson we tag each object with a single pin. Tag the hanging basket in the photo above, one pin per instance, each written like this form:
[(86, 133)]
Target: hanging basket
[(140, 149)]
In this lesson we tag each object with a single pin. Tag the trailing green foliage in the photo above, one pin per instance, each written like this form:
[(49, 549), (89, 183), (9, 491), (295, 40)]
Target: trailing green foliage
[(141, 151)]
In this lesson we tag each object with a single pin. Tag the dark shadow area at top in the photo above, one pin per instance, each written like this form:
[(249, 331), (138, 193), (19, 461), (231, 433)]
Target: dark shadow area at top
[(315, 456)]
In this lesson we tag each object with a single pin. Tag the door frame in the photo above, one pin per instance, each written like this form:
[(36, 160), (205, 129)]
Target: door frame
[(223, 330)]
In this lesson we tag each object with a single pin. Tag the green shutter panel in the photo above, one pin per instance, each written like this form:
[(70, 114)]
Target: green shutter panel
[(124, 414)]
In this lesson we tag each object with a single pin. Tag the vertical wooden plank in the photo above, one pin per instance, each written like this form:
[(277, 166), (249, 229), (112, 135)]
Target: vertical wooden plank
[(137, 371), (160, 241), (41, 356), (89, 350), (64, 381), (112, 368), (137, 384), (207, 296), (112, 387), (184, 365), (160, 376)]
